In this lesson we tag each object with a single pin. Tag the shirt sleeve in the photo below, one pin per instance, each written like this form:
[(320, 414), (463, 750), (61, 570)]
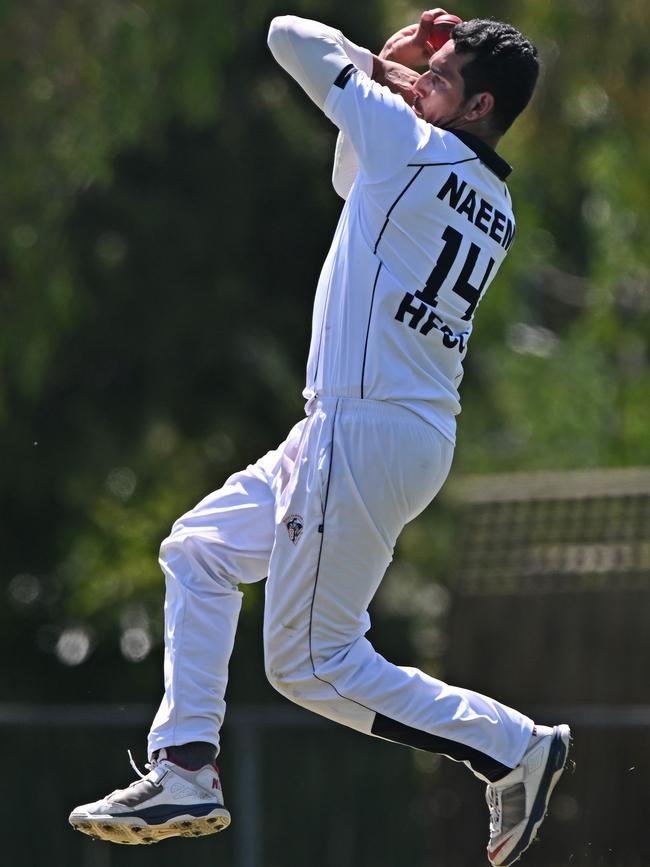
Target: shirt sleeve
[(382, 129), (314, 54), (346, 166), (385, 133)]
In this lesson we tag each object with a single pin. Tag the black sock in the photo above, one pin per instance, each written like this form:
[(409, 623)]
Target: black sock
[(192, 756)]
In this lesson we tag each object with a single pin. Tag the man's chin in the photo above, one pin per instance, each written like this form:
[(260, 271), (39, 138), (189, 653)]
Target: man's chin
[(417, 109)]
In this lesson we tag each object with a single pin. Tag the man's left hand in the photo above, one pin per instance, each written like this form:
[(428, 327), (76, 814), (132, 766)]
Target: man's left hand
[(398, 78)]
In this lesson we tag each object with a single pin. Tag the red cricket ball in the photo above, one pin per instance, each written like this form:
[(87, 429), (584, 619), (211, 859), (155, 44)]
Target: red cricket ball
[(441, 32)]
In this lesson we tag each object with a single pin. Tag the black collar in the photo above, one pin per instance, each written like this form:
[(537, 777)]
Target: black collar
[(484, 152)]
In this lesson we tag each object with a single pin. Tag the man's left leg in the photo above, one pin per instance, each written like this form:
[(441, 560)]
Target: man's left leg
[(367, 469)]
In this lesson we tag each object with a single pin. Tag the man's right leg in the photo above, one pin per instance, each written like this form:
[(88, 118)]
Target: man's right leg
[(224, 541)]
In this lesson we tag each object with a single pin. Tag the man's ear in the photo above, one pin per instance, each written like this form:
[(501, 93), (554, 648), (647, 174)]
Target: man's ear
[(479, 106)]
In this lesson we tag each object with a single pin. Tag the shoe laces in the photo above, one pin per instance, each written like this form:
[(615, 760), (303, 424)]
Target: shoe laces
[(493, 798), (149, 766)]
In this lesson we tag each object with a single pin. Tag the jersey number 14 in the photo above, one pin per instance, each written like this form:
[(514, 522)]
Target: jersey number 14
[(462, 287)]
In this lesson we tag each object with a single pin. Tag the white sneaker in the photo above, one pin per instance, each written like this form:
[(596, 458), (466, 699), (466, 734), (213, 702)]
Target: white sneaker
[(169, 801), (518, 802)]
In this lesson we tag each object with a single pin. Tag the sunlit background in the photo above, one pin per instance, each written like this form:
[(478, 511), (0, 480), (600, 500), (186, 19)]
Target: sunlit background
[(165, 208)]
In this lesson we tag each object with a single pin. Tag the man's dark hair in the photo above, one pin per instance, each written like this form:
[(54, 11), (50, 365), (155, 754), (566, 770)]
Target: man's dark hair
[(505, 64)]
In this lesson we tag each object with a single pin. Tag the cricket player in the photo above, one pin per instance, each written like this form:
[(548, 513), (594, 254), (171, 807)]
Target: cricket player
[(427, 221)]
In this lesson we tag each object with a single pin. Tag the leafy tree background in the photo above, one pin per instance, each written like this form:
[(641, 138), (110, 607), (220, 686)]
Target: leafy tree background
[(166, 205)]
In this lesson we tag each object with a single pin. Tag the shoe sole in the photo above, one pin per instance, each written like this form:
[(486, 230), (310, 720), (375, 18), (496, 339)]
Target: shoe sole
[(555, 765), (131, 830)]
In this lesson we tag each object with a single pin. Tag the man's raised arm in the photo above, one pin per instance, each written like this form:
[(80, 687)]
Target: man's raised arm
[(409, 47), (314, 54), (342, 80)]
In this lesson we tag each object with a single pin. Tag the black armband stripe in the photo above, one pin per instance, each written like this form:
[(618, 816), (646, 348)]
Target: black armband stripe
[(344, 75)]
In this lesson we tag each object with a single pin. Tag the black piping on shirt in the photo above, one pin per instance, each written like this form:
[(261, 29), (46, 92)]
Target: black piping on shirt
[(484, 152)]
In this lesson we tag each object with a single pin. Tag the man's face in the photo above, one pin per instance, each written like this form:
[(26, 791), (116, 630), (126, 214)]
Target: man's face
[(440, 92)]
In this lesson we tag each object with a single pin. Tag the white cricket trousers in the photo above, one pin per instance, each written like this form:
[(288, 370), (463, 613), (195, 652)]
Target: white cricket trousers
[(319, 516)]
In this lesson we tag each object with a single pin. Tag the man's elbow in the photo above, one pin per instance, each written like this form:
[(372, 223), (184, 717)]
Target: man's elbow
[(279, 26)]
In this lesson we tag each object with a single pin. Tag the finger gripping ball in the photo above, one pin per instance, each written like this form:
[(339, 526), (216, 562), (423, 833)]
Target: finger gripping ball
[(441, 30)]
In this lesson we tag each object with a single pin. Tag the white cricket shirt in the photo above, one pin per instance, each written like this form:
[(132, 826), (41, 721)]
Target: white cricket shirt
[(425, 227)]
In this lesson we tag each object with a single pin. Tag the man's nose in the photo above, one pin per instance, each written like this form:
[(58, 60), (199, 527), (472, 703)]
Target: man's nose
[(423, 84)]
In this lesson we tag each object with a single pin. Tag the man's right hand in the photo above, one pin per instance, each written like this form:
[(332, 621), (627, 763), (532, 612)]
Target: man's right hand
[(409, 46)]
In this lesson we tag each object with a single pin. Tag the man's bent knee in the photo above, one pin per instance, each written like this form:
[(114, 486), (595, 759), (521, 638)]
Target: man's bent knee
[(295, 676), (179, 544), (193, 561)]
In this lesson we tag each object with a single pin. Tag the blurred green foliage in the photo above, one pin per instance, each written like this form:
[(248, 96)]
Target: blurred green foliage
[(166, 206)]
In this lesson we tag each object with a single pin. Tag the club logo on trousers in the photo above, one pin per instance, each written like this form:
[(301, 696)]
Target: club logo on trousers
[(295, 524)]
